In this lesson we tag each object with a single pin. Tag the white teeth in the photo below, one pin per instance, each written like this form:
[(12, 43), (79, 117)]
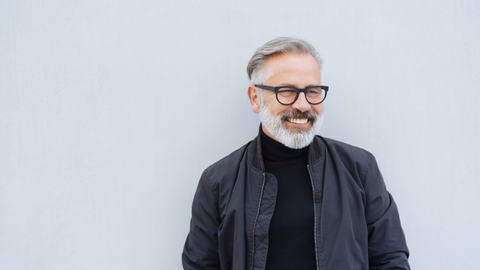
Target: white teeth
[(298, 120)]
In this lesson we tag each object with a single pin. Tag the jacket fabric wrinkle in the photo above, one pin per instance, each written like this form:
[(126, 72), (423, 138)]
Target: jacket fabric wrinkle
[(357, 225)]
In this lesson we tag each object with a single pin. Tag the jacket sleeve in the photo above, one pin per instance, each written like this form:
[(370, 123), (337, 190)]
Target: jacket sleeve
[(201, 247), (387, 248)]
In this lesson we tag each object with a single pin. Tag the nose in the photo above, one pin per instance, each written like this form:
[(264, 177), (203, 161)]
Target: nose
[(301, 103)]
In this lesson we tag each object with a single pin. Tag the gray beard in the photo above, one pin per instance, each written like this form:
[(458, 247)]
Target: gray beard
[(290, 137)]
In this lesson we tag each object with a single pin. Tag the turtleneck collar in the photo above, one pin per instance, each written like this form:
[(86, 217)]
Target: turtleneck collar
[(275, 151)]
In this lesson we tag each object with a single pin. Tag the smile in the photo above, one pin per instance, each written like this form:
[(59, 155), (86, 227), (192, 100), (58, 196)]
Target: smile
[(297, 120)]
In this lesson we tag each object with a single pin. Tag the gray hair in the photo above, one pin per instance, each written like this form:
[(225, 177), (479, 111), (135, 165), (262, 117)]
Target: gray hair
[(258, 72)]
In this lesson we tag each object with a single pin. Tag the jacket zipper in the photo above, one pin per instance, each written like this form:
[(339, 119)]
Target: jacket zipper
[(314, 216), (256, 219)]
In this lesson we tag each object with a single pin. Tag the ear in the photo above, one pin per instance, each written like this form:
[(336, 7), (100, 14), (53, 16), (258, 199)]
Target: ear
[(254, 97)]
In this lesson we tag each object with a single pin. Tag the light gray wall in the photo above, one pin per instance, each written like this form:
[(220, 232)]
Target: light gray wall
[(110, 110)]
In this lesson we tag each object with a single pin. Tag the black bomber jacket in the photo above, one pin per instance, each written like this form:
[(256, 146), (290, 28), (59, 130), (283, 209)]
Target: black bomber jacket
[(357, 225)]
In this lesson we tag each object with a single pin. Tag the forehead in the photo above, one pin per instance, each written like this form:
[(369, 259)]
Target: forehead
[(294, 69)]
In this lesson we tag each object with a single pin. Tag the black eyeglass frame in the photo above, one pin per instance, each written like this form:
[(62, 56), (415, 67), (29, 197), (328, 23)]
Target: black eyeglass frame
[(299, 90)]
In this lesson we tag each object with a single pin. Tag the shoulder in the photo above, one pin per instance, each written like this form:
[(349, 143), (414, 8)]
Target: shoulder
[(357, 161), (220, 177), (227, 166), (346, 151)]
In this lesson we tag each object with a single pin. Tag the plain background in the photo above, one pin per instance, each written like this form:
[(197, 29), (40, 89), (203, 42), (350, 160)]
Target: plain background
[(110, 111)]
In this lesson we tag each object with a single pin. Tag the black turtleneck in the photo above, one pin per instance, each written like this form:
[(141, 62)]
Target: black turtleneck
[(291, 233)]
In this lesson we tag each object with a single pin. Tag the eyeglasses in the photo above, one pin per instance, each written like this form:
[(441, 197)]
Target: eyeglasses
[(287, 95)]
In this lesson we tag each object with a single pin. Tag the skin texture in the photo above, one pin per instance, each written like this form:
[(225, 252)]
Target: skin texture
[(299, 70)]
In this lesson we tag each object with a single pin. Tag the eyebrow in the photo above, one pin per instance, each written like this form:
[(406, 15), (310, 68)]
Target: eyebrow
[(288, 84)]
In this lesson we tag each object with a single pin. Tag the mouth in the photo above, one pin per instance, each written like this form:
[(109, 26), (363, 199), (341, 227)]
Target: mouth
[(297, 120)]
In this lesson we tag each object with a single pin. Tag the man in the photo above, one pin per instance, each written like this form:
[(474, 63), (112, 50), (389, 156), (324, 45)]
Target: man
[(290, 199)]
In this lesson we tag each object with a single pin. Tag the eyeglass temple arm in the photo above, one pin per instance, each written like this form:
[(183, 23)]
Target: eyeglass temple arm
[(266, 87)]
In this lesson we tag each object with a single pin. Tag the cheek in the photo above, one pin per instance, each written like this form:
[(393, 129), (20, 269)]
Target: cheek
[(277, 110), (274, 107), (318, 109)]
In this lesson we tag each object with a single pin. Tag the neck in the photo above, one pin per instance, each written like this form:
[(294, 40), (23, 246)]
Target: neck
[(276, 151)]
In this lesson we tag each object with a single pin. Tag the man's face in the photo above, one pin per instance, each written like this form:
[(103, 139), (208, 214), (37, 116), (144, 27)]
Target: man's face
[(293, 125)]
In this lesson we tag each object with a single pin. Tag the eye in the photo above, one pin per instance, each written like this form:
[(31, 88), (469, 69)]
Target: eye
[(314, 91), (287, 91)]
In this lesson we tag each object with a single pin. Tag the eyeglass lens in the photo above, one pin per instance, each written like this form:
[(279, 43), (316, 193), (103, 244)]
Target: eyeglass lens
[(287, 95)]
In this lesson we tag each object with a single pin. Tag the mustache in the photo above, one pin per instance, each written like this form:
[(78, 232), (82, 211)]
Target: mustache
[(299, 114)]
